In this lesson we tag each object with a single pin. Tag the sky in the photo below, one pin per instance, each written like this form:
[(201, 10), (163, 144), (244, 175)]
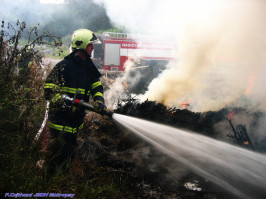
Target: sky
[(52, 1)]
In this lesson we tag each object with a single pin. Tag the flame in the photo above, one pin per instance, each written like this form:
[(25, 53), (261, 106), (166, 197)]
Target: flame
[(230, 115), (184, 105)]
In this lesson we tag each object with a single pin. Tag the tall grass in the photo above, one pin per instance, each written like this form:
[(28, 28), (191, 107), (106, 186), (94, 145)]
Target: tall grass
[(22, 108)]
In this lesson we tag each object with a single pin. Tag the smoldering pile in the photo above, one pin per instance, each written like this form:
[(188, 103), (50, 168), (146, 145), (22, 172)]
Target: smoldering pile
[(215, 124), (151, 173)]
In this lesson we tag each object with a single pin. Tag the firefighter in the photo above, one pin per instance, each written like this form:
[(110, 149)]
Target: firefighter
[(77, 77)]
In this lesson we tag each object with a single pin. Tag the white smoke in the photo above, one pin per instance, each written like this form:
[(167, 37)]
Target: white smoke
[(221, 49), (30, 11), (119, 88)]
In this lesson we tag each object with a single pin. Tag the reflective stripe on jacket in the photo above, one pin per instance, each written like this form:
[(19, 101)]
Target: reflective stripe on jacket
[(65, 128), (76, 78)]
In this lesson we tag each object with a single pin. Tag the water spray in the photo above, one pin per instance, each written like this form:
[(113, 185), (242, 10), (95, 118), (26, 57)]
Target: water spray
[(235, 169), (238, 170)]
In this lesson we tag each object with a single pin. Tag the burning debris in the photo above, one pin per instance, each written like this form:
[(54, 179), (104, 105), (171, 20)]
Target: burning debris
[(240, 136), (151, 172), (205, 44)]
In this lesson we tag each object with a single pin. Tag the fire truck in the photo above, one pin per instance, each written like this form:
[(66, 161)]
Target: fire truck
[(117, 48), (149, 54)]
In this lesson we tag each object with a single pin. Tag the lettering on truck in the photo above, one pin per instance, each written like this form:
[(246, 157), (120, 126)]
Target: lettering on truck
[(132, 45)]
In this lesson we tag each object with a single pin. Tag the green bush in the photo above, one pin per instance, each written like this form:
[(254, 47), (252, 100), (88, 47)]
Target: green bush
[(22, 104), (22, 108)]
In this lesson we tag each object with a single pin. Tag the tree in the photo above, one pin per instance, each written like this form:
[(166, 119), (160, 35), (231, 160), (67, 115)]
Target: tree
[(76, 14)]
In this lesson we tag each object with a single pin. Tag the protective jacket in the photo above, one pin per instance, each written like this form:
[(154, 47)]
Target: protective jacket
[(77, 78)]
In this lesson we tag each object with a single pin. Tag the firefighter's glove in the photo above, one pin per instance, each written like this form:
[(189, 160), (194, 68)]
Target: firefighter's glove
[(63, 103), (67, 101), (99, 107)]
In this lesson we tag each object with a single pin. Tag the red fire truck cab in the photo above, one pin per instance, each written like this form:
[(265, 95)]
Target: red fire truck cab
[(117, 48)]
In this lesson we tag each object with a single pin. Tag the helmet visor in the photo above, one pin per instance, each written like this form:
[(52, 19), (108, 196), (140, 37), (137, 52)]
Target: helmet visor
[(95, 39)]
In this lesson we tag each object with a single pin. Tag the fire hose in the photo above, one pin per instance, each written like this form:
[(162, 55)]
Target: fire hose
[(86, 105), (74, 101)]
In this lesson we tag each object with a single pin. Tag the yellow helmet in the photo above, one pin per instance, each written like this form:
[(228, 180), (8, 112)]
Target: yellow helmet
[(82, 37)]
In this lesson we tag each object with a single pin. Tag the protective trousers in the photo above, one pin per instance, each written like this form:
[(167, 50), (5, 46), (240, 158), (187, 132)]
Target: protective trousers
[(58, 149)]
